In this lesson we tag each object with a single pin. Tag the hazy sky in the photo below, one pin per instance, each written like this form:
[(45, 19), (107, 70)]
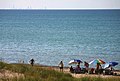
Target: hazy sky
[(60, 4)]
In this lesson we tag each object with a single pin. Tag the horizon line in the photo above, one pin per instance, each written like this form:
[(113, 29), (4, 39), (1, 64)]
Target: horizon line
[(60, 9)]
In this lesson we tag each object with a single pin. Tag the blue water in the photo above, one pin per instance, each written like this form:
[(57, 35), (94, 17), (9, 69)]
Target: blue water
[(50, 36)]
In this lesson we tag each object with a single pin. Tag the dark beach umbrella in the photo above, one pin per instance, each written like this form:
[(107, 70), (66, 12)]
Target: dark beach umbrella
[(110, 64), (113, 63)]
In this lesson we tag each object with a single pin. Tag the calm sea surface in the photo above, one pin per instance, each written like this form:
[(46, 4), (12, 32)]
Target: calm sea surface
[(50, 36)]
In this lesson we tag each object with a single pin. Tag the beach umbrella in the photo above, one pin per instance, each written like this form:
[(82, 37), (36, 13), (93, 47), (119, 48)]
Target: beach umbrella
[(95, 61), (75, 61), (113, 63), (110, 64), (106, 65)]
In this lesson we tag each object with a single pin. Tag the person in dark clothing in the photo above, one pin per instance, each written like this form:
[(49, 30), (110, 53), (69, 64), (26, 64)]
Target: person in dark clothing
[(32, 62), (86, 66), (77, 69), (71, 69), (98, 66)]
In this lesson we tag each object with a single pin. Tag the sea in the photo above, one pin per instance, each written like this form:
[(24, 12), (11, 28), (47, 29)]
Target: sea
[(51, 36)]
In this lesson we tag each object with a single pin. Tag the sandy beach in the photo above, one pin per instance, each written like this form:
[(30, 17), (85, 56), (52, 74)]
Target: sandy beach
[(66, 70)]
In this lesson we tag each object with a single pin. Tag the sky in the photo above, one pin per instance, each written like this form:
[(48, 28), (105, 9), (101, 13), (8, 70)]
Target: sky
[(59, 4)]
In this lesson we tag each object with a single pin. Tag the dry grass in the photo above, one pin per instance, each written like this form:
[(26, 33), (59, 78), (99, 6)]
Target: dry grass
[(24, 72)]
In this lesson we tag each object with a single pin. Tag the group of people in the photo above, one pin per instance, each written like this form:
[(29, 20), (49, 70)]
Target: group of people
[(71, 68), (78, 69), (86, 68), (98, 68)]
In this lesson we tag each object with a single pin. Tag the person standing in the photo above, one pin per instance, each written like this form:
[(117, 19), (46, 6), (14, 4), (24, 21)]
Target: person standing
[(61, 66), (32, 61), (98, 66)]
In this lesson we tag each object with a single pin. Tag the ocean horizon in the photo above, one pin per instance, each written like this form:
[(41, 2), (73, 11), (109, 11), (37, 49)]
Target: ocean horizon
[(49, 36)]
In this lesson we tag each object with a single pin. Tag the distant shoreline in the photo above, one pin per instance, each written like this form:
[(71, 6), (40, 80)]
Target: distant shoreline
[(62, 9), (66, 67)]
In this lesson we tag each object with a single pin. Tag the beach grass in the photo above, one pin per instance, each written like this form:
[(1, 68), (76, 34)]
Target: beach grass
[(37, 73)]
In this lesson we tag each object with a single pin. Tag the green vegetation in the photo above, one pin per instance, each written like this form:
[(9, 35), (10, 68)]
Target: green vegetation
[(37, 73)]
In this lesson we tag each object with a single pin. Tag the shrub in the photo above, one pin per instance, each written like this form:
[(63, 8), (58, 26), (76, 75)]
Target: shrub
[(2, 65)]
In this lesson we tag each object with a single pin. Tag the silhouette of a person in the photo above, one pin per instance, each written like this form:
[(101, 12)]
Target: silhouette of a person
[(32, 62)]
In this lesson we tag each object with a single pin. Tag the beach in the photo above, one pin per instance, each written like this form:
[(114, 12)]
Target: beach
[(67, 70), (10, 74)]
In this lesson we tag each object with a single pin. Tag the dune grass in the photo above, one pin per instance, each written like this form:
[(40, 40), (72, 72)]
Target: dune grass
[(37, 73)]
